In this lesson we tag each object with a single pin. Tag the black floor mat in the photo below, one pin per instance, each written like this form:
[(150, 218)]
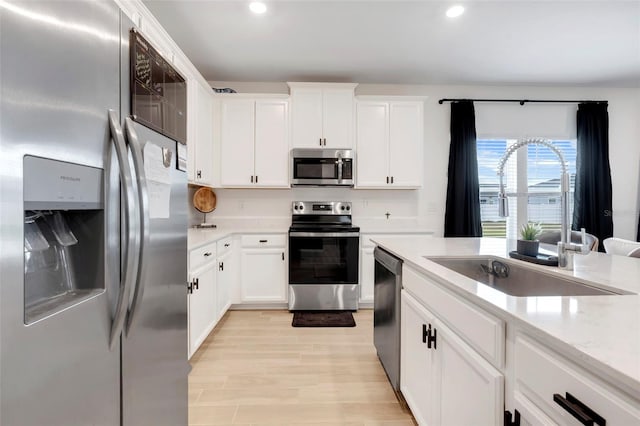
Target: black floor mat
[(323, 319)]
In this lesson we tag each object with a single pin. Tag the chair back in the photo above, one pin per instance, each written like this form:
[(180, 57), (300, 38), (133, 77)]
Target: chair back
[(553, 237), (622, 247)]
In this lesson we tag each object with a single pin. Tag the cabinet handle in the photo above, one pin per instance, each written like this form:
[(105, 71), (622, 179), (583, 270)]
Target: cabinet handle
[(391, 179), (221, 266), (207, 254), (251, 178), (320, 141), (579, 410), (196, 284), (263, 241), (256, 178), (429, 336), (508, 421), (387, 179), (283, 256), (227, 244), (190, 287), (199, 174), (325, 141)]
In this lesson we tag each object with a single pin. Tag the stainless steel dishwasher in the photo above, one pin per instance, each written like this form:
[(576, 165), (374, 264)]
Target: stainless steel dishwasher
[(386, 313)]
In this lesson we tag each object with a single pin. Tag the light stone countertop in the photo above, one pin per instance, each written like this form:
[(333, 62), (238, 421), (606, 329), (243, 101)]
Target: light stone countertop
[(602, 332)]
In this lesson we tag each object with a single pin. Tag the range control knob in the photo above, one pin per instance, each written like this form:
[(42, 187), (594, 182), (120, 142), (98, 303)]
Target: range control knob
[(301, 207), (295, 207), (341, 207), (348, 208)]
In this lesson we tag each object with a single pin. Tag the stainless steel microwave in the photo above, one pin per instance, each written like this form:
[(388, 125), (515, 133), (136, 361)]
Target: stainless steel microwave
[(321, 167)]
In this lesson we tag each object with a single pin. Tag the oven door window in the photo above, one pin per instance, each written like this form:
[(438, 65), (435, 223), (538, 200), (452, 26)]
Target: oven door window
[(323, 260), (315, 168)]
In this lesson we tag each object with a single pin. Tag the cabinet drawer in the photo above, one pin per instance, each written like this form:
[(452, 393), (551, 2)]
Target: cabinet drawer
[(540, 374), (224, 245), (202, 255), (264, 240), (483, 331)]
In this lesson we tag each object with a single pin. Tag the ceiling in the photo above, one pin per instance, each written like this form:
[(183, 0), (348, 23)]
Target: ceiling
[(578, 42)]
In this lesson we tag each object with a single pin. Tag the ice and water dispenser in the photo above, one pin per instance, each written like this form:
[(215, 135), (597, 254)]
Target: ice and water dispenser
[(64, 239)]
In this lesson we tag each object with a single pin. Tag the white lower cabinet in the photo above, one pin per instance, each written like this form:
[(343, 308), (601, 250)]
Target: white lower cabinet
[(444, 381), (367, 276), (264, 268), (201, 304), (548, 386), (226, 276)]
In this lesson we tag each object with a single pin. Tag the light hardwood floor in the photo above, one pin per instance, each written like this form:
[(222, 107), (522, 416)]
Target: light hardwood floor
[(256, 369)]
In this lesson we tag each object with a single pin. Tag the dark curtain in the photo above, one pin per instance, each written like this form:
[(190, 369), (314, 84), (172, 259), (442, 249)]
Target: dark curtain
[(462, 214), (592, 201)]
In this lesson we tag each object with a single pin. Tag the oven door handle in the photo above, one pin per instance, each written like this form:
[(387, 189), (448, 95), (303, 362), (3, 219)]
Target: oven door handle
[(324, 234)]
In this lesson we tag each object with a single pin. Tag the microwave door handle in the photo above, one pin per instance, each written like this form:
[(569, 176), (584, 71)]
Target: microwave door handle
[(340, 166), (131, 225), (143, 204)]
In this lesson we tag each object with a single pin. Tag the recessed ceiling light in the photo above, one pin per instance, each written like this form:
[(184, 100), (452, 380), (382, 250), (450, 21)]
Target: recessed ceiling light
[(257, 7), (455, 11)]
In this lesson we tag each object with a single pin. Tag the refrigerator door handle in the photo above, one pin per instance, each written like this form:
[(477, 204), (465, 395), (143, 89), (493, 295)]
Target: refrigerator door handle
[(143, 208), (130, 228)]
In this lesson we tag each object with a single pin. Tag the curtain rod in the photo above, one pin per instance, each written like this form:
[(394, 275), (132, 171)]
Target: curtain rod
[(524, 101)]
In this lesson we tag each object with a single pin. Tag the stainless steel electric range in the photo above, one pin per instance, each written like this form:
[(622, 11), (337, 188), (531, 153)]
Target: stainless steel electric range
[(323, 257)]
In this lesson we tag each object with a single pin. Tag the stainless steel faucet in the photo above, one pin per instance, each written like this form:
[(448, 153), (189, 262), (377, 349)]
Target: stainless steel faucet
[(566, 249)]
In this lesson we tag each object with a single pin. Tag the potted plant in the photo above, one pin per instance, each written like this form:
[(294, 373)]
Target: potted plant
[(528, 244)]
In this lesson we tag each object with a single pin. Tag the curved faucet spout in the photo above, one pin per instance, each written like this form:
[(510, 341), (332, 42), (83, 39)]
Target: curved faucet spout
[(564, 182)]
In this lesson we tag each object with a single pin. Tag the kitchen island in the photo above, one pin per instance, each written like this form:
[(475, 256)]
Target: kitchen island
[(595, 339)]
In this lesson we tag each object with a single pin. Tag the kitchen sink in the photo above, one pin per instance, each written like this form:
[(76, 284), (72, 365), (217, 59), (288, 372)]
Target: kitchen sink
[(516, 280)]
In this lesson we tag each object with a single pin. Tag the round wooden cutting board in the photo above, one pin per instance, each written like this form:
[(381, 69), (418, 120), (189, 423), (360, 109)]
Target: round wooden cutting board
[(204, 200)]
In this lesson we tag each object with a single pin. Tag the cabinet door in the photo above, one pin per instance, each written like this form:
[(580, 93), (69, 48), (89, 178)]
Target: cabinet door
[(306, 116), (237, 142), (224, 283), (416, 361), (204, 137), (202, 306), (192, 113), (367, 275), (272, 143), (337, 118), (264, 275), (405, 143), (372, 144), (470, 390)]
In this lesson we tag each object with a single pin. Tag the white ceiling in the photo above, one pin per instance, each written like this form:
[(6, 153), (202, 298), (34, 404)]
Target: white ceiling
[(579, 42)]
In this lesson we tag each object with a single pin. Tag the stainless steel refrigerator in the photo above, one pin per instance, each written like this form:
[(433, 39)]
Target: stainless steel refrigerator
[(93, 220)]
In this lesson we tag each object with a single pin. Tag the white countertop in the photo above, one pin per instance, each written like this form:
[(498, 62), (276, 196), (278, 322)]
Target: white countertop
[(225, 227), (598, 331)]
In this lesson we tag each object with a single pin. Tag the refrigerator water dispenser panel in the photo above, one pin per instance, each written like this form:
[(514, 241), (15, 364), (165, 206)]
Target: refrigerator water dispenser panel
[(63, 236)]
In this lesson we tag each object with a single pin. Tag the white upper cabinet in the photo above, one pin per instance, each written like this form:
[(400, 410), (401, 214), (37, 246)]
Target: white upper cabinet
[(254, 141), (389, 139), (200, 134), (322, 115)]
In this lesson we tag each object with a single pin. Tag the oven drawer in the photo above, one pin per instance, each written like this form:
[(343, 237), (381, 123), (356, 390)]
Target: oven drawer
[(264, 240)]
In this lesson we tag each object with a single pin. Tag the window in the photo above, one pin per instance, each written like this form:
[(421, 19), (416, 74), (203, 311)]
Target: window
[(532, 181)]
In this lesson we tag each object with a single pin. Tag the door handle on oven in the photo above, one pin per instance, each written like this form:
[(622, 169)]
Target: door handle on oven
[(324, 234), (130, 228), (143, 204)]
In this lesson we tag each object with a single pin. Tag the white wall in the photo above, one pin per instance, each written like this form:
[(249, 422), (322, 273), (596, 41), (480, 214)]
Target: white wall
[(427, 204)]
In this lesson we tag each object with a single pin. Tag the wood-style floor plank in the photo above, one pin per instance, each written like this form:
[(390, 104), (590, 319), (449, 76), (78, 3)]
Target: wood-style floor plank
[(256, 369)]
